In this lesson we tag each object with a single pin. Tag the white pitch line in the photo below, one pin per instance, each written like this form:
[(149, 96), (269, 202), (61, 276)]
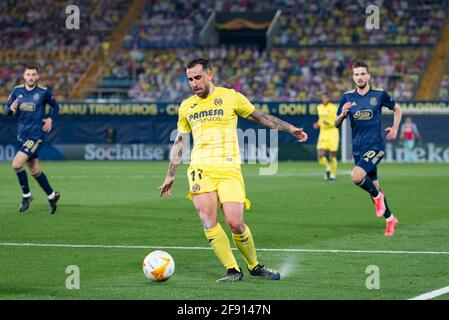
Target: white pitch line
[(432, 294), (209, 248)]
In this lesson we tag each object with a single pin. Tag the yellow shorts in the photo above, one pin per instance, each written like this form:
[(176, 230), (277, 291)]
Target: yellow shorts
[(328, 142), (228, 183)]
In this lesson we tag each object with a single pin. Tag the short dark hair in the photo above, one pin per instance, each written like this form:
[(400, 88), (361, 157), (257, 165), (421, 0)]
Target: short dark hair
[(200, 61), (31, 66), (360, 64)]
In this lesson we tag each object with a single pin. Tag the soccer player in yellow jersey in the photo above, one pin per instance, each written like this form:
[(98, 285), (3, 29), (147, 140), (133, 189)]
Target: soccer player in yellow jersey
[(214, 173), (329, 137)]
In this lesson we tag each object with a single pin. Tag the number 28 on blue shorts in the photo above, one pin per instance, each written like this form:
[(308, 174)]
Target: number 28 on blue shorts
[(31, 147)]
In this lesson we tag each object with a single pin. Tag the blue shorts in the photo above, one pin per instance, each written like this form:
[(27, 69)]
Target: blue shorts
[(31, 147), (368, 161)]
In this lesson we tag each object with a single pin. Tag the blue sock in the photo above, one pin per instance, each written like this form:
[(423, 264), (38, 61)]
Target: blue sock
[(23, 181), (43, 182), (368, 185)]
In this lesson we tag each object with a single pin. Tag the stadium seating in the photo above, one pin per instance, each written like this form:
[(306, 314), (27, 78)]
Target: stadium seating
[(40, 36), (300, 74), (147, 68), (303, 22), (276, 74), (173, 24), (343, 23)]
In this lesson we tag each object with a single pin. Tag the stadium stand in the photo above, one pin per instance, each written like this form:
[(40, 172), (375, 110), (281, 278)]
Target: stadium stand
[(343, 23), (313, 62), (310, 55), (41, 36), (298, 75), (174, 24)]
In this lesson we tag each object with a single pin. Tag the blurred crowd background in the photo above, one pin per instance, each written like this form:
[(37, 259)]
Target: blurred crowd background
[(140, 56)]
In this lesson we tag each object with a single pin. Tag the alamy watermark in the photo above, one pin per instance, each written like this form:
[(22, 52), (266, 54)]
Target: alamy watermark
[(73, 280), (373, 279), (372, 22), (73, 20)]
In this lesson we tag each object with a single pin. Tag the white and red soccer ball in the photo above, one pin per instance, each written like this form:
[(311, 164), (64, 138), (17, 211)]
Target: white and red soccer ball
[(158, 266)]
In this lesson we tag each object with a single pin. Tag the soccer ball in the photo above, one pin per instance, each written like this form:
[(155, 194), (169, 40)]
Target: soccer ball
[(158, 266)]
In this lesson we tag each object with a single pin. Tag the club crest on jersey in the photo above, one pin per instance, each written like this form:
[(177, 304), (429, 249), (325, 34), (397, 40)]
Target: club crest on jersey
[(363, 115), (196, 187), (373, 101), (27, 106), (36, 97), (218, 102)]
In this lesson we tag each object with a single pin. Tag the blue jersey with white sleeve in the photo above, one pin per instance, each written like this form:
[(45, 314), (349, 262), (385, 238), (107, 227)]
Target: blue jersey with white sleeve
[(365, 115), (32, 110)]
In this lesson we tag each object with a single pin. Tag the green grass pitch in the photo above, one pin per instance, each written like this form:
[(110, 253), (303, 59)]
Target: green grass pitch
[(118, 204)]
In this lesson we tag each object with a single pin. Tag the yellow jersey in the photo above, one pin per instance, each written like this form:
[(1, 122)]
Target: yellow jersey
[(327, 113), (213, 123)]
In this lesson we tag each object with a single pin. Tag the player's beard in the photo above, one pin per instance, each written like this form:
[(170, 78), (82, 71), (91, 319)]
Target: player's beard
[(362, 86), (31, 85), (205, 93), (206, 90)]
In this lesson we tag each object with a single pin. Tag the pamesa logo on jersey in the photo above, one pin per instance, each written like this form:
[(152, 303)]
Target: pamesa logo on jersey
[(27, 107), (363, 115), (206, 113)]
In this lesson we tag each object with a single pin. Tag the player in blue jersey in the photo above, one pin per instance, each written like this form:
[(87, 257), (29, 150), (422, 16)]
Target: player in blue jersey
[(364, 105), (28, 102)]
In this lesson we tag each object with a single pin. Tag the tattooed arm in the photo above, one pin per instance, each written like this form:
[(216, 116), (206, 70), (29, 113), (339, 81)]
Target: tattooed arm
[(175, 160), (272, 122)]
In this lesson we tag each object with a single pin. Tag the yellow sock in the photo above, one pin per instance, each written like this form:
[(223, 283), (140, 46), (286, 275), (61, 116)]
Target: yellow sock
[(222, 247), (323, 161), (333, 166), (245, 244)]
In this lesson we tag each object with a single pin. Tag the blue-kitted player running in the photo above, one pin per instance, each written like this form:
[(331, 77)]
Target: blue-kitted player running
[(364, 105), (28, 102)]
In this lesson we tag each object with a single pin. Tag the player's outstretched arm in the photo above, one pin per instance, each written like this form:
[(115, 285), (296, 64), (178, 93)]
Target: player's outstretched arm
[(175, 160), (393, 130), (272, 122)]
